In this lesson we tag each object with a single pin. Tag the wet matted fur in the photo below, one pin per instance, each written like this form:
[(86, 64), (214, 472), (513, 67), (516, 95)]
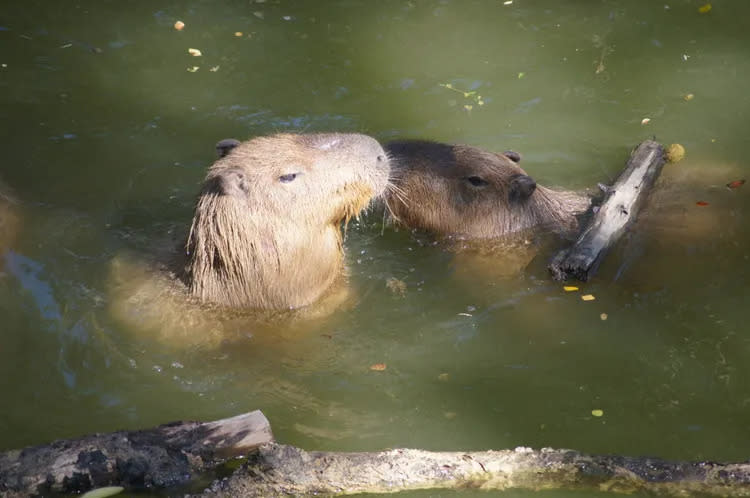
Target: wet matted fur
[(266, 234)]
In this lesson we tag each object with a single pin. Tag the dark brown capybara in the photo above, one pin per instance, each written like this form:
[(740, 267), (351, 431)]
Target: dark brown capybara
[(471, 193)]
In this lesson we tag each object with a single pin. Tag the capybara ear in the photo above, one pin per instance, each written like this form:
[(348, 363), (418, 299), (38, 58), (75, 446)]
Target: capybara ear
[(225, 146), (513, 156), (521, 188)]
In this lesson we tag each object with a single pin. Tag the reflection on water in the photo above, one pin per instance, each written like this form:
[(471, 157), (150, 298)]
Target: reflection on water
[(108, 136)]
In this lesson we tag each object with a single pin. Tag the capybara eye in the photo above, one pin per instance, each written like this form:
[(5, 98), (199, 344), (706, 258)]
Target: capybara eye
[(287, 178), (477, 181)]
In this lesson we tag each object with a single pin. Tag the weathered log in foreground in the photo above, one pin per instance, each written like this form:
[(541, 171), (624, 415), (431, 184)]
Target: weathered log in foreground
[(278, 470), (165, 456), (620, 208)]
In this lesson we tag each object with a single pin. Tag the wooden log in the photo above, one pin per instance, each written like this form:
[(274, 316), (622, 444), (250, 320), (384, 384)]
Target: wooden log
[(160, 457), (620, 208), (278, 470)]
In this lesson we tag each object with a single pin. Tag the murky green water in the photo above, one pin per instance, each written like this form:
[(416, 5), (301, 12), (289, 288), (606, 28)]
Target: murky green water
[(107, 134)]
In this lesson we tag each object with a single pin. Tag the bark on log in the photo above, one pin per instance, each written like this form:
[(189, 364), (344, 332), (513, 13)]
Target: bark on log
[(278, 470), (163, 456), (619, 209)]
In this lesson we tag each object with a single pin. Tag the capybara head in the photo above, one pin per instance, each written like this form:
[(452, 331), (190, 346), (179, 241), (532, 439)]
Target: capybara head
[(472, 193), (267, 227)]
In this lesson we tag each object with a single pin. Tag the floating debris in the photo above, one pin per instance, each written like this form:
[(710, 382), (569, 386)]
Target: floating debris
[(735, 184), (588, 297), (597, 413), (674, 153), (194, 52), (378, 367), (179, 25)]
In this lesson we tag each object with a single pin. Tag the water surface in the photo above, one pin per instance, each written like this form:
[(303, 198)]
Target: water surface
[(107, 136)]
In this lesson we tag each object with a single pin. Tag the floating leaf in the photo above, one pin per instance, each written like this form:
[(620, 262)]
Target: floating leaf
[(179, 25), (736, 184), (588, 297), (214, 69), (701, 203), (378, 367), (468, 107), (674, 153), (521, 75), (508, 2), (645, 121), (570, 288), (703, 9), (688, 97), (396, 286), (597, 413), (238, 33), (193, 69), (443, 377), (194, 52), (603, 316)]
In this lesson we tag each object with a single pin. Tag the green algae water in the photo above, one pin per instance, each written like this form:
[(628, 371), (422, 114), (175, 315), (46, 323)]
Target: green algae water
[(108, 125)]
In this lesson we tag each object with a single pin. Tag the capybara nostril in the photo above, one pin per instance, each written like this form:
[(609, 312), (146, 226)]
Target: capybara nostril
[(380, 158), (521, 188)]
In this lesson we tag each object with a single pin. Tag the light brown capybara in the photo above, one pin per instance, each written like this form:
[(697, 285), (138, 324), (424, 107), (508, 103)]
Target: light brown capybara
[(467, 192), (266, 233)]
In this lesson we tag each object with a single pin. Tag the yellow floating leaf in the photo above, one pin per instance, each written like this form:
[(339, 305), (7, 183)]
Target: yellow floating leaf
[(194, 52), (508, 2), (238, 33), (675, 152), (193, 69), (597, 413), (603, 316), (443, 377), (214, 69), (588, 297), (703, 9), (688, 97), (480, 102), (645, 121), (570, 288), (521, 75), (468, 107), (378, 367), (179, 25)]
